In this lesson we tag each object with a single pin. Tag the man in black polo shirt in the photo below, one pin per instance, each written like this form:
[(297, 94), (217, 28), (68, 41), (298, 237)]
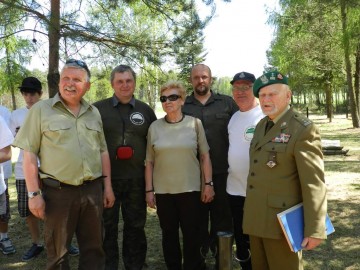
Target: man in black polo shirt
[(126, 121), (215, 111)]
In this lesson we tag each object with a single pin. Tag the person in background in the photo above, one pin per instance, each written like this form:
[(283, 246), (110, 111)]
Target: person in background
[(65, 133), (6, 139), (126, 121), (6, 243), (173, 172), (241, 130), (286, 168), (31, 90), (214, 111), (7, 166)]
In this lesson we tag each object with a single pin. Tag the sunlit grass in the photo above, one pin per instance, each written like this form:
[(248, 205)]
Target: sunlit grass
[(340, 252)]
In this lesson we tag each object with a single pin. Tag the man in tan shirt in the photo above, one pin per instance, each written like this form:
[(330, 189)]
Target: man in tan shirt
[(66, 134)]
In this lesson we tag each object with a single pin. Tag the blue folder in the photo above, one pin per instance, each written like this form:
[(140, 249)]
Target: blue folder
[(292, 224)]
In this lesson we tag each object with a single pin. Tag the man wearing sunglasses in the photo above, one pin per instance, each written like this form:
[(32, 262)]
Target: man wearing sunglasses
[(215, 111), (65, 133), (126, 122)]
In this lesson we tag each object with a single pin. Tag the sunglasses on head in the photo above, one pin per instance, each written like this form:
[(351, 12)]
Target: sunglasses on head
[(170, 98), (78, 63)]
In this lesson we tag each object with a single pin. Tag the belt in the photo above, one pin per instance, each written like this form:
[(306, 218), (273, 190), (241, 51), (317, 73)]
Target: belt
[(50, 182)]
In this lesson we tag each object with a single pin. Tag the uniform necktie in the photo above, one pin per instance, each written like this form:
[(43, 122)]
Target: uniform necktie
[(269, 125)]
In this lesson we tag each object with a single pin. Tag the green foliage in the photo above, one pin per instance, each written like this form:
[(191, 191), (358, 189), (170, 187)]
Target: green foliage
[(308, 45), (108, 32), (222, 85), (15, 52)]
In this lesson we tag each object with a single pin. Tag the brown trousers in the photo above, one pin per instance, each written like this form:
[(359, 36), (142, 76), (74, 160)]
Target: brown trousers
[(69, 210), (273, 254)]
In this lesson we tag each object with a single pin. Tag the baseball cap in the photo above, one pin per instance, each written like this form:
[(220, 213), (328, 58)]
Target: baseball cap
[(243, 76)]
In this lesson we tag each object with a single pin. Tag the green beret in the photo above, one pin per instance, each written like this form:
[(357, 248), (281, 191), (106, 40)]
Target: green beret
[(268, 78)]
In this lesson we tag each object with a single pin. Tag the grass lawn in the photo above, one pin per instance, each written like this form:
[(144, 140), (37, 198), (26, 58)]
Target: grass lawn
[(341, 250)]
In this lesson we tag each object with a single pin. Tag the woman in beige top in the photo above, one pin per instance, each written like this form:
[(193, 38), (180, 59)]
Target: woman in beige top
[(176, 182)]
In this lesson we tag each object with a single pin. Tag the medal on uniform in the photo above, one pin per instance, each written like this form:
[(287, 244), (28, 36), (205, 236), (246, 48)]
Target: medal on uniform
[(272, 160)]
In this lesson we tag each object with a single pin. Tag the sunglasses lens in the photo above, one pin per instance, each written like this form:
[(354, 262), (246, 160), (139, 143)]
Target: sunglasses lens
[(173, 97)]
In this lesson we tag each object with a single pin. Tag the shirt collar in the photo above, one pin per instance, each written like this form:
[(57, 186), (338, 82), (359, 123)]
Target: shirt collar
[(281, 115), (192, 99), (57, 99), (115, 101)]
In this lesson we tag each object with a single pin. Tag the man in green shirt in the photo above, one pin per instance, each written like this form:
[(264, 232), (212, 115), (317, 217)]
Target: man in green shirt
[(66, 134)]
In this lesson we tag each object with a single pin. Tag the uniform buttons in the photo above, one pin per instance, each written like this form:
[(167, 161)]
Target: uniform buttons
[(251, 187), (273, 148), (284, 204), (255, 161), (252, 174)]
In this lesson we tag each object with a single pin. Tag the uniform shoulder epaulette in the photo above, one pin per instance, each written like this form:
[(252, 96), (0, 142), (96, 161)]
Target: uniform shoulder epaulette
[(302, 119)]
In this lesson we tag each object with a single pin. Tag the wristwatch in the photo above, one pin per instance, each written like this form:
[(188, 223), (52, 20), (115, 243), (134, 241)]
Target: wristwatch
[(34, 194), (210, 183)]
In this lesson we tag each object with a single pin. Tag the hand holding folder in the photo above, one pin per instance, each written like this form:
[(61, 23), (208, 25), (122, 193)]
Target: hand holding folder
[(292, 224)]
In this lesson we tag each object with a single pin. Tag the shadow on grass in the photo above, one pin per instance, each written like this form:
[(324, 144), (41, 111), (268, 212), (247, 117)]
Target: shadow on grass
[(350, 166), (355, 186), (342, 249)]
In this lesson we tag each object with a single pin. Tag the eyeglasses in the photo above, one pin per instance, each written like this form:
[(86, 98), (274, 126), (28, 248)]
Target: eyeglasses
[(244, 87), (170, 98), (78, 63)]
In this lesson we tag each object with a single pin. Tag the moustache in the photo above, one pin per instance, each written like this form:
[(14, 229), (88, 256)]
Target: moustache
[(69, 88)]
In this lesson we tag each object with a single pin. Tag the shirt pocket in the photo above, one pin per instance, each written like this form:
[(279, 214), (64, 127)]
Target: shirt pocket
[(92, 134), (282, 202), (58, 132), (275, 147), (222, 116)]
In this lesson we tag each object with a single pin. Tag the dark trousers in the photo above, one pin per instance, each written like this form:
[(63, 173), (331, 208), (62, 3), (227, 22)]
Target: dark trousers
[(242, 240), (182, 210), (130, 196), (69, 210), (219, 213)]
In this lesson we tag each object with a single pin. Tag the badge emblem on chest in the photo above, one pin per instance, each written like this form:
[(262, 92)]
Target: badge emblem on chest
[(137, 118), (271, 160), (271, 164)]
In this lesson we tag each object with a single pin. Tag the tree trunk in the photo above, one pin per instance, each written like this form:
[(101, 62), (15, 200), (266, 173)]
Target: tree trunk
[(9, 77), (54, 47), (352, 98), (329, 106), (357, 78)]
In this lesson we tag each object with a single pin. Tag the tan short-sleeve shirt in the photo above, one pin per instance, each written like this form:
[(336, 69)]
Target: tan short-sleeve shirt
[(69, 147)]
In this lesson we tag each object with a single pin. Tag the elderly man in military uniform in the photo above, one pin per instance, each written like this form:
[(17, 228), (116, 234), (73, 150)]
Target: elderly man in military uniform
[(286, 168)]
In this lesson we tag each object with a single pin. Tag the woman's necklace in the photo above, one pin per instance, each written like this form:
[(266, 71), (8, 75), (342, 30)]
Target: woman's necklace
[(174, 121)]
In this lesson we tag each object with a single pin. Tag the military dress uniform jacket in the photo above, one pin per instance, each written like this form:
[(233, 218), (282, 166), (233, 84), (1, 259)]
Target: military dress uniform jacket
[(286, 168)]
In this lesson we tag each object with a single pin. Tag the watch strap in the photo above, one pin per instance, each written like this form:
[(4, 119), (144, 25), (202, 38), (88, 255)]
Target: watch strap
[(34, 194)]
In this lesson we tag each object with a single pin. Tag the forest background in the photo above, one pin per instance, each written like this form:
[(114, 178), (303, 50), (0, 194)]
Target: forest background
[(316, 43)]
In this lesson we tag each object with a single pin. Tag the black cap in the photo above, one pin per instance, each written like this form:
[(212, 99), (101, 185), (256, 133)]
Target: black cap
[(243, 76), (30, 84)]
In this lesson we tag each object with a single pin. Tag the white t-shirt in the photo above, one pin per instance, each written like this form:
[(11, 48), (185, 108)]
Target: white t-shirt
[(7, 167), (241, 129), (6, 139), (16, 120)]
